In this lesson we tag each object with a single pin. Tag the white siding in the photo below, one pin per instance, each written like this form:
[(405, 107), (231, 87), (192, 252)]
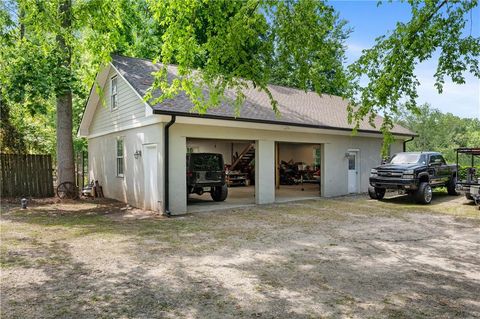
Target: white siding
[(131, 109), (102, 163)]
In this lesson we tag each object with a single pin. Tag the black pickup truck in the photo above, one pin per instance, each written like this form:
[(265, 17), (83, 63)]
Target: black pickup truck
[(414, 172)]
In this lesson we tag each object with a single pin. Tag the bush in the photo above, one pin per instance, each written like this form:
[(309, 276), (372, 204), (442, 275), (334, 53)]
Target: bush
[(462, 172)]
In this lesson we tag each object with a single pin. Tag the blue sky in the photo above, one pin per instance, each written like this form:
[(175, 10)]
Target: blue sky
[(369, 21)]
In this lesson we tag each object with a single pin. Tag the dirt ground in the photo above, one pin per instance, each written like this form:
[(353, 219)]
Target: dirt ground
[(348, 257)]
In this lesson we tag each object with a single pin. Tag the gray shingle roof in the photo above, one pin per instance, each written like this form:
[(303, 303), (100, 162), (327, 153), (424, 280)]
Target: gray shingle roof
[(296, 107)]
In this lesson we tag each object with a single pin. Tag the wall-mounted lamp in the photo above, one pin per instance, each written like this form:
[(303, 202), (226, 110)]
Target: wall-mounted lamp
[(137, 154)]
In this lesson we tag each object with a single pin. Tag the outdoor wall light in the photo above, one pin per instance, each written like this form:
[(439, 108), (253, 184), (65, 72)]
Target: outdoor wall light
[(137, 154)]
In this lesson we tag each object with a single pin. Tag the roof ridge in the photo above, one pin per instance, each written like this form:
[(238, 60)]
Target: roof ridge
[(269, 84)]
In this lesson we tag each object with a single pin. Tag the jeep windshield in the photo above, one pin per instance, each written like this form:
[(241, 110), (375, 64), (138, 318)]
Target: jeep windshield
[(407, 158), (206, 162)]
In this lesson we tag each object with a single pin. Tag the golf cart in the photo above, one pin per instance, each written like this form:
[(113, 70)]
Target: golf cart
[(469, 183)]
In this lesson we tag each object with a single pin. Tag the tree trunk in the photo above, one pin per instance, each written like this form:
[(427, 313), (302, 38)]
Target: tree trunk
[(65, 162)]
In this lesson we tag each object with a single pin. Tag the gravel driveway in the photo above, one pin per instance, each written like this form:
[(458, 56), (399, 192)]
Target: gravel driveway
[(347, 257)]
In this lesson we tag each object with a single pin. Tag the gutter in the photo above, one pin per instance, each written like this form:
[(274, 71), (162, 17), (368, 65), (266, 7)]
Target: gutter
[(166, 165), (405, 143), (260, 121)]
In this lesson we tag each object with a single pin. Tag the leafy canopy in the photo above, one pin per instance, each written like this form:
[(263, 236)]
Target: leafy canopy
[(436, 27), (439, 131), (224, 45)]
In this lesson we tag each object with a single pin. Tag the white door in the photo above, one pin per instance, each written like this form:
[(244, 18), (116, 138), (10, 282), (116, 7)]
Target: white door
[(150, 162), (353, 172)]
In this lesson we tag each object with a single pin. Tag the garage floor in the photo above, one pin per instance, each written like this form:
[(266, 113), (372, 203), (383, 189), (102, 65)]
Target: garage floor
[(245, 196), (288, 193)]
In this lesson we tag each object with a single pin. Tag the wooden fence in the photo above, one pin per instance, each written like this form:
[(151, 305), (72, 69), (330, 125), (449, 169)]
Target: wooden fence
[(26, 175)]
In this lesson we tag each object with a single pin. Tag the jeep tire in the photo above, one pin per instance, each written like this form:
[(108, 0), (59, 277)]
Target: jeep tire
[(219, 193), (376, 193), (424, 193)]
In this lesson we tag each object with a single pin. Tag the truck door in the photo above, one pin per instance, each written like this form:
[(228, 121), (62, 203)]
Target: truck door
[(436, 169)]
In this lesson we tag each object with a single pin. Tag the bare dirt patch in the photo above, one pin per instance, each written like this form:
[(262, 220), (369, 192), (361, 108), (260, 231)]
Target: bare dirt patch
[(346, 257)]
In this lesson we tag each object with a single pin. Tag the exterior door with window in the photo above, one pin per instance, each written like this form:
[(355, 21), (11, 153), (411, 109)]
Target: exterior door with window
[(353, 172)]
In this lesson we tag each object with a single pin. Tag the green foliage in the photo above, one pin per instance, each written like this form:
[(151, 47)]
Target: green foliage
[(32, 64), (222, 45), (435, 26), (309, 47), (440, 132)]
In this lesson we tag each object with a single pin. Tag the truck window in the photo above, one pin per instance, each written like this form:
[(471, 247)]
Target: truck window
[(437, 158)]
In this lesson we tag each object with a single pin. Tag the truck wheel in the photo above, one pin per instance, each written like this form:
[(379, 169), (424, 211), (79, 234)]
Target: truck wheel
[(469, 196), (219, 193), (424, 193), (376, 193), (451, 186)]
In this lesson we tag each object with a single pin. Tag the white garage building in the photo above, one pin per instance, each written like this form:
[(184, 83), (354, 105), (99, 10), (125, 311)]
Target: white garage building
[(132, 144)]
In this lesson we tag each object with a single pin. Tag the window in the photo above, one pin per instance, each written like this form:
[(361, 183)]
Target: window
[(436, 159), (406, 158), (113, 93), (351, 162), (120, 157)]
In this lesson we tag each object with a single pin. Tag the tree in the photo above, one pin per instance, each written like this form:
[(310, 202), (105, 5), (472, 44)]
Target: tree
[(50, 51), (435, 26), (315, 62), (236, 44), (438, 131)]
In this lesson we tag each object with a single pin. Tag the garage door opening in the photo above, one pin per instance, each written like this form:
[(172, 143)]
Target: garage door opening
[(298, 171), (238, 157)]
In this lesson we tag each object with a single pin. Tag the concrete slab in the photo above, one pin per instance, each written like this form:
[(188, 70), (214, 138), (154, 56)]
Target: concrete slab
[(244, 196)]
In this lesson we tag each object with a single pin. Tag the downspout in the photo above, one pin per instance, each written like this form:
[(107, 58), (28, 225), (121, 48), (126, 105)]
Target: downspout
[(405, 143), (166, 165)]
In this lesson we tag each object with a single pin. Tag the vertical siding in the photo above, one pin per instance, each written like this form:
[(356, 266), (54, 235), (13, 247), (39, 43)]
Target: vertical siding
[(131, 108)]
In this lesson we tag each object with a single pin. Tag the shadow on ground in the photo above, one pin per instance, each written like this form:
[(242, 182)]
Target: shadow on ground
[(348, 257)]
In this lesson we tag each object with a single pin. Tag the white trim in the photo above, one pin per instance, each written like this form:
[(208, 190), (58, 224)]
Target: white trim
[(117, 157), (92, 102), (157, 118), (112, 106), (146, 122)]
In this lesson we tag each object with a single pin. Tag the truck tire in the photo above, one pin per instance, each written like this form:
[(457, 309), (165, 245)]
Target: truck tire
[(451, 186), (424, 193), (376, 193), (219, 193), (469, 196)]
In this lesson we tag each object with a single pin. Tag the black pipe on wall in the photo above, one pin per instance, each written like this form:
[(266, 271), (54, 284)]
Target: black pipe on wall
[(166, 164), (405, 143)]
